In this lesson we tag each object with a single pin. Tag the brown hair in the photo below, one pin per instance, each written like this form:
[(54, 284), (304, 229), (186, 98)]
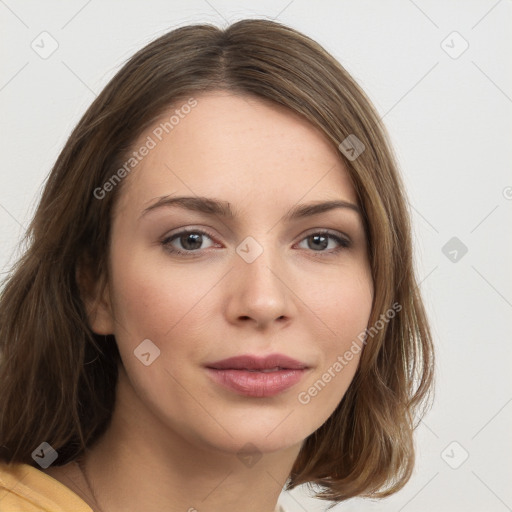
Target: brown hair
[(58, 377)]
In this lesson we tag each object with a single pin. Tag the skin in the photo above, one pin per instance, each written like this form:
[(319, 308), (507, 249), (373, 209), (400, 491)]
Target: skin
[(175, 434)]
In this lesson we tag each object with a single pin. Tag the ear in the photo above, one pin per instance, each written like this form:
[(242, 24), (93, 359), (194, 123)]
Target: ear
[(95, 294)]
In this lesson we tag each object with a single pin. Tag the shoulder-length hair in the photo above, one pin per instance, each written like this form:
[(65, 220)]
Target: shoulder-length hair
[(58, 377)]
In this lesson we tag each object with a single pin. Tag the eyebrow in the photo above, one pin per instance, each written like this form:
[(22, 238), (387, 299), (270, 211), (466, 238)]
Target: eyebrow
[(216, 207)]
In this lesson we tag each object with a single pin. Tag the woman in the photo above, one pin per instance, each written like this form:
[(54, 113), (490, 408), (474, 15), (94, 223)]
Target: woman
[(218, 298)]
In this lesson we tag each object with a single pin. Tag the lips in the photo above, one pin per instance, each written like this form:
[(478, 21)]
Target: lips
[(256, 376), (272, 362)]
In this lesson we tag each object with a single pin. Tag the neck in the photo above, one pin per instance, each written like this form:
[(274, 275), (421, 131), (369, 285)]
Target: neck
[(142, 464)]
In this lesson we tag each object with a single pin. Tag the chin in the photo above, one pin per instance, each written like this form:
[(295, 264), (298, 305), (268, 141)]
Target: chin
[(265, 433), (257, 444)]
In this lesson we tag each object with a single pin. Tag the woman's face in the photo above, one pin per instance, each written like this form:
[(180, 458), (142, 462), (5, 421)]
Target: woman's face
[(263, 281)]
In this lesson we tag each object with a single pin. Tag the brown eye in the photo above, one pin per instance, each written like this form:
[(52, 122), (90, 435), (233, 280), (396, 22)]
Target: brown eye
[(191, 241), (319, 241), (188, 242)]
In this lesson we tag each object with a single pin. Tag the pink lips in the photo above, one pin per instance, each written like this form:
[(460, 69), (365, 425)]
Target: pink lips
[(257, 376)]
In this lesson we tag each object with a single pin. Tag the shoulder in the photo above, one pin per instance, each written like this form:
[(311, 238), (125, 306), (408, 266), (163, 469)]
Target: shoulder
[(24, 488)]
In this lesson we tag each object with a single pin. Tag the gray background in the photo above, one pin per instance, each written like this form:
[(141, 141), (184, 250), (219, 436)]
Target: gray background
[(449, 115)]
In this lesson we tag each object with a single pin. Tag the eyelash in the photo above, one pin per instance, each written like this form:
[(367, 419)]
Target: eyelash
[(344, 243)]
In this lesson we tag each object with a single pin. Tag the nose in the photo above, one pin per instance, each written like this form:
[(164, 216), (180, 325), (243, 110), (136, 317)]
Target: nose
[(259, 292)]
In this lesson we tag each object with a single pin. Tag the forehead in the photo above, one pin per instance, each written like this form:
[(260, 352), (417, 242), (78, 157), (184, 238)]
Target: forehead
[(237, 147)]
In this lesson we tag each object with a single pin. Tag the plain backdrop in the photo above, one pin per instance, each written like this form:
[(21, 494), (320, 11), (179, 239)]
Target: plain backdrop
[(439, 74)]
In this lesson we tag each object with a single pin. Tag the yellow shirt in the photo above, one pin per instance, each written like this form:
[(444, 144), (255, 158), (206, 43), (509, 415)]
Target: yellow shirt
[(24, 488)]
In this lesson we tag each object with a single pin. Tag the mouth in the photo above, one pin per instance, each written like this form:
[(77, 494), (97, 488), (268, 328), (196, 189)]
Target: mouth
[(271, 362), (262, 370), (256, 376)]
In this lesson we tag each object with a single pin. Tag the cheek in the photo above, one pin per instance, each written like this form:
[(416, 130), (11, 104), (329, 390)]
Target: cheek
[(343, 304), (342, 311), (167, 306), (152, 300), (349, 318)]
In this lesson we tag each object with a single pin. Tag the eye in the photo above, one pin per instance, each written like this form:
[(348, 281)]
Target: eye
[(320, 240), (190, 241)]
